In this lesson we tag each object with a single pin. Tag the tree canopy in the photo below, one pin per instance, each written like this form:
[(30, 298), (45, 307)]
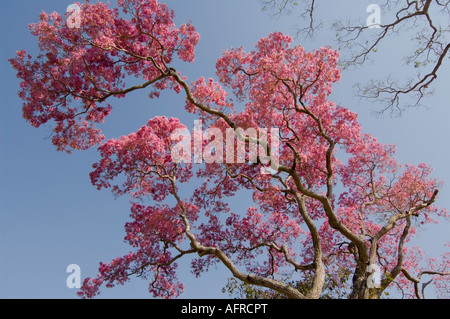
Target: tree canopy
[(328, 199)]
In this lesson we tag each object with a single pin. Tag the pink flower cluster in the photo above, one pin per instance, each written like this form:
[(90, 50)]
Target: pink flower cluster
[(78, 69)]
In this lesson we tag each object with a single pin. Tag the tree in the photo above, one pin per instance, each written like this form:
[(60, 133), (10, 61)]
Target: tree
[(329, 201), (425, 20)]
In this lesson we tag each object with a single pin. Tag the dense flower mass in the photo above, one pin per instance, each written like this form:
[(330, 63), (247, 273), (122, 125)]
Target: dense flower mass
[(337, 202), (78, 69)]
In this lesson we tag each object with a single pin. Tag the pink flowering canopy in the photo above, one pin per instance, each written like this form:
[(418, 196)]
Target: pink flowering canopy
[(336, 203)]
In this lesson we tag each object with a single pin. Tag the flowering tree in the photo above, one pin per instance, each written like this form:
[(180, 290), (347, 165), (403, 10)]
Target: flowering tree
[(335, 202)]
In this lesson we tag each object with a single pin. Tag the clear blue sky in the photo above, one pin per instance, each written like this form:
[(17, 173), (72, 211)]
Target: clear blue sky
[(50, 214)]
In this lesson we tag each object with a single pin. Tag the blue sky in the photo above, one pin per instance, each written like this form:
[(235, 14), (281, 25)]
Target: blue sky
[(50, 214)]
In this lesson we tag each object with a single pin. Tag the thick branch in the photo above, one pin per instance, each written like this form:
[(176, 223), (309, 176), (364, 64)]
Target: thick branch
[(278, 286)]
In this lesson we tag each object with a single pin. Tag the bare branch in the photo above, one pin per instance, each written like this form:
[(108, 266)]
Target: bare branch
[(429, 21)]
